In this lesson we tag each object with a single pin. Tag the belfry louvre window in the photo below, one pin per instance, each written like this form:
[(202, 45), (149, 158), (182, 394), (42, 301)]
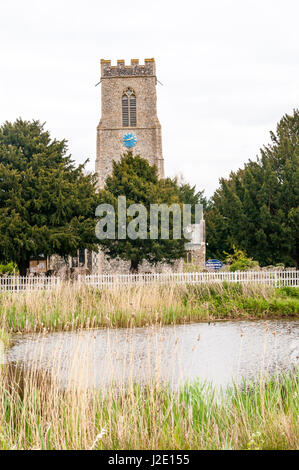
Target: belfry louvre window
[(129, 108)]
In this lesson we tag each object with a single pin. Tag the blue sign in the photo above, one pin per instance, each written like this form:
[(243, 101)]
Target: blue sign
[(129, 140), (214, 264)]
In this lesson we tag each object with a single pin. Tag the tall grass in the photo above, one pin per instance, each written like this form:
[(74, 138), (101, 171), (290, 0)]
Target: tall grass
[(36, 414), (70, 308)]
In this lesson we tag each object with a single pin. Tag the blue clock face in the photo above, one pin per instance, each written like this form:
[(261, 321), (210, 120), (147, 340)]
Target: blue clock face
[(129, 140)]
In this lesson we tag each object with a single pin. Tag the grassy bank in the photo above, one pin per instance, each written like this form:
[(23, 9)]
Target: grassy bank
[(70, 308), (35, 414)]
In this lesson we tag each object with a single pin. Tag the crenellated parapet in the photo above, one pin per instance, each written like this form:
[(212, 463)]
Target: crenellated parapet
[(133, 70)]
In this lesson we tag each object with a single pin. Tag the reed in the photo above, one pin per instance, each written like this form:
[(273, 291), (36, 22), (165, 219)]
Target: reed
[(36, 414), (70, 308), (5, 338)]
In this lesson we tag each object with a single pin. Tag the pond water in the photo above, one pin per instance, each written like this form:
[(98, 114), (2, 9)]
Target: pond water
[(218, 352)]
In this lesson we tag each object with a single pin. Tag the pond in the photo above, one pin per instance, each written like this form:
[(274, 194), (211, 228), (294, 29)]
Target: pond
[(219, 352)]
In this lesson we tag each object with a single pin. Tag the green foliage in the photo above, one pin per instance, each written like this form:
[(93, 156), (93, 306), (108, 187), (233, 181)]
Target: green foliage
[(138, 181), (288, 291), (238, 261), (9, 268), (243, 264), (189, 195), (258, 414), (47, 204), (128, 307), (257, 208)]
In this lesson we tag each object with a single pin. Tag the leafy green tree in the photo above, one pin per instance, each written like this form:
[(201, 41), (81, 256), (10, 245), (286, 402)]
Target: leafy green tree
[(190, 195), (47, 204), (257, 208), (134, 178), (217, 234)]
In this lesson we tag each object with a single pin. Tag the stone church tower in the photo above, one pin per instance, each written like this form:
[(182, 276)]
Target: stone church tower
[(129, 112), (129, 105)]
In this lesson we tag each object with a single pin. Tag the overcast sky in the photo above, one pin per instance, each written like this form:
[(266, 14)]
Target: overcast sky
[(229, 68)]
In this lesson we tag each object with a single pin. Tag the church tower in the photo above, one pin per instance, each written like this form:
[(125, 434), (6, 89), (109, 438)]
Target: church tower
[(129, 115)]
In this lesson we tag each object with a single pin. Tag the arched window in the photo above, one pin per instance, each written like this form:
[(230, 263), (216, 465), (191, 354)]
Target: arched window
[(129, 108)]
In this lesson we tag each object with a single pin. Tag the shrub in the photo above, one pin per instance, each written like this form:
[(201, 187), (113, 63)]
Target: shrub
[(9, 268), (238, 261)]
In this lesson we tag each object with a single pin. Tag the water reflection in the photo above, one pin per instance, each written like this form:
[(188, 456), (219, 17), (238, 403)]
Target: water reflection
[(217, 352)]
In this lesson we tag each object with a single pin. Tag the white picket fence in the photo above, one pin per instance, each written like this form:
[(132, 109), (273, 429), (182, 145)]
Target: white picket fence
[(273, 278), (32, 283)]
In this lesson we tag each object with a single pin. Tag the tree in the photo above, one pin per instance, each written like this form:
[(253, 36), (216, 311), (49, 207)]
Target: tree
[(134, 178), (47, 204), (258, 206), (189, 195)]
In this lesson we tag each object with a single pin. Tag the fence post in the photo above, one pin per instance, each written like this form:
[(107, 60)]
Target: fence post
[(274, 278)]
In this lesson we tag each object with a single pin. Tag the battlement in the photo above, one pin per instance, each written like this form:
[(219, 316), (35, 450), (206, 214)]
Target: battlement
[(122, 70)]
